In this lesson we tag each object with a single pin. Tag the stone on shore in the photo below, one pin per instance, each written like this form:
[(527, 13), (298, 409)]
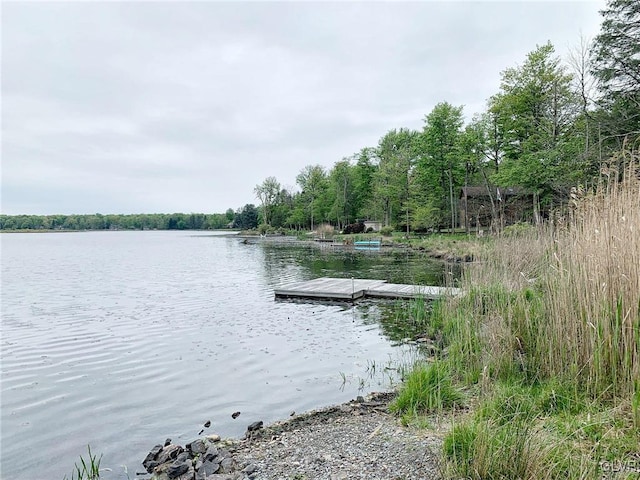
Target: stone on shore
[(202, 459)]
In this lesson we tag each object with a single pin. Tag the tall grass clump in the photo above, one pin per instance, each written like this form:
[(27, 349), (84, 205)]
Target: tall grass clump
[(514, 450), (426, 388)]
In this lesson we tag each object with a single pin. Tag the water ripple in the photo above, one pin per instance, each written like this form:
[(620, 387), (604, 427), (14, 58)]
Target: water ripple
[(121, 339)]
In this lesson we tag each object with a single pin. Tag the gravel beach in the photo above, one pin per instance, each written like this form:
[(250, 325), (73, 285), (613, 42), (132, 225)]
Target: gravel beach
[(356, 440)]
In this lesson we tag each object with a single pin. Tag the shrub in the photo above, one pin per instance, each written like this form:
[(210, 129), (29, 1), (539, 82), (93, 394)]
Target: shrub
[(325, 231), (386, 231), (518, 229), (358, 227)]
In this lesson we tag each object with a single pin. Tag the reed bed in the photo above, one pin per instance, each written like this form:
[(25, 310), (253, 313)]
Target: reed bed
[(547, 340), (561, 301)]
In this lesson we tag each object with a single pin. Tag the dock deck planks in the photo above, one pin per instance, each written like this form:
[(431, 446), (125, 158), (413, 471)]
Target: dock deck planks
[(355, 288)]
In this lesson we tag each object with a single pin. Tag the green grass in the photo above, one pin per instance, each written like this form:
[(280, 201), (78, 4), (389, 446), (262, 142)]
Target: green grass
[(427, 388), (87, 469)]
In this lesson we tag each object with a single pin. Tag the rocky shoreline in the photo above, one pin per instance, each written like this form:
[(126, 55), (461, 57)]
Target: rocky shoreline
[(356, 440)]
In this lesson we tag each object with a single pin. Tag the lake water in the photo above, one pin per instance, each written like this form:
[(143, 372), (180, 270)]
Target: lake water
[(122, 339)]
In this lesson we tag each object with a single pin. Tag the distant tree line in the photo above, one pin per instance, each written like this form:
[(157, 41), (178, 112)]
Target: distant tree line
[(156, 221)]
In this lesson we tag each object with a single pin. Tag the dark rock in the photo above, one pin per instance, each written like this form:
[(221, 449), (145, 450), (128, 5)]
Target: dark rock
[(167, 442), (206, 469), (211, 453), (169, 454), (226, 466), (151, 466), (235, 415), (183, 457), (188, 475), (178, 468), (149, 463), (255, 426), (197, 447)]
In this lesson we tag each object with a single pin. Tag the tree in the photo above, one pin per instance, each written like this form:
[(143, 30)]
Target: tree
[(281, 208), (363, 183), (246, 218), (439, 170), (230, 214), (616, 64), (474, 152), (267, 192), (340, 193), (396, 153), (313, 181), (536, 110)]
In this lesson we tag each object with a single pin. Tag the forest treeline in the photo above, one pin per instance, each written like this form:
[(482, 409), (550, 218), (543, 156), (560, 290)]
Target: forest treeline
[(155, 221), (552, 126)]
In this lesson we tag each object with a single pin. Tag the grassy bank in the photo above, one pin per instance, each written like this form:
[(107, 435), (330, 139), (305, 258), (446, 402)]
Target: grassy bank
[(545, 345)]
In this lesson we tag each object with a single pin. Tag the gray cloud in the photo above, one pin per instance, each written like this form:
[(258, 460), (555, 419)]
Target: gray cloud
[(161, 106)]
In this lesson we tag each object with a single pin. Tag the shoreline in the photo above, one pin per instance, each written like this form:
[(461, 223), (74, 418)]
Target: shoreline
[(387, 244), (358, 439)]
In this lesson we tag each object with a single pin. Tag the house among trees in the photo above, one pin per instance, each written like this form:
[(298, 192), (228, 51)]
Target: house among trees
[(494, 207), (373, 225)]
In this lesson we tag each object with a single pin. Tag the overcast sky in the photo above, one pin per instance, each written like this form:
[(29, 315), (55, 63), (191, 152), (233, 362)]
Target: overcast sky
[(150, 107)]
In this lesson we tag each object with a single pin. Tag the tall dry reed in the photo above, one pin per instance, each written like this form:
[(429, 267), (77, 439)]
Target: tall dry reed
[(560, 301), (592, 291)]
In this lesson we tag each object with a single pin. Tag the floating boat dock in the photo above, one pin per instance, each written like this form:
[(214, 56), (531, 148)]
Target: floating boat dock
[(352, 289)]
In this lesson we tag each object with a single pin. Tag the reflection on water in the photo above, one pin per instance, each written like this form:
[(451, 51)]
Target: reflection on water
[(394, 266), (122, 339)]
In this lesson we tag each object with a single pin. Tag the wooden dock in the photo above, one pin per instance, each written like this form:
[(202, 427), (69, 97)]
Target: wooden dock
[(351, 289)]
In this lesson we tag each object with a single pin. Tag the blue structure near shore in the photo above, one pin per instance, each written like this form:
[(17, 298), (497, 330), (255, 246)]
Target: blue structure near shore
[(367, 244)]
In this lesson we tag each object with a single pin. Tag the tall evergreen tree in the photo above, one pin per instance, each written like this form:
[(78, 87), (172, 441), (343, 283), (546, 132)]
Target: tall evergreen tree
[(616, 65)]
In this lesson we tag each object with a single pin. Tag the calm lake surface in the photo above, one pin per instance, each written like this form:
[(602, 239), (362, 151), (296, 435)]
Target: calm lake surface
[(122, 339)]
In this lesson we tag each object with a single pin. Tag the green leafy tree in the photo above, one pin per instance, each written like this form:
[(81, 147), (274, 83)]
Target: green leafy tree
[(340, 194), (535, 112), (313, 182), (439, 170), (396, 153), (363, 183), (281, 208), (267, 192), (474, 149)]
